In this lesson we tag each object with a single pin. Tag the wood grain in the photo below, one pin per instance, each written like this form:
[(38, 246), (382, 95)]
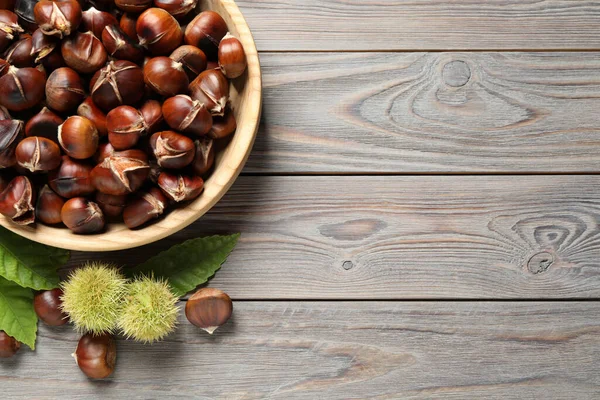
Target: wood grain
[(429, 113), (403, 237), (334, 25), (373, 350)]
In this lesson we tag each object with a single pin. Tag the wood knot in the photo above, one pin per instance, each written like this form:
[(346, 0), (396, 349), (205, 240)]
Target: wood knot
[(456, 73), (540, 262), (347, 265)]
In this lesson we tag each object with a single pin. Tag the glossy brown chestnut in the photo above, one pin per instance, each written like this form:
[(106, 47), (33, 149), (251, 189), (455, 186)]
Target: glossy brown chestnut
[(9, 28), (9, 346), (177, 8), (84, 52), (96, 355), (172, 150), (111, 206), (192, 58), (38, 154), (209, 309), (165, 76), (90, 111), (158, 31), (205, 32), (64, 90), (42, 45), (95, 21), (105, 150), (232, 58), (4, 65), (53, 61), (223, 126), (17, 201), (119, 83), (78, 137), (120, 174), (205, 156), (22, 88), (212, 89), (20, 54), (180, 187), (44, 124), (58, 18), (212, 65), (133, 6), (48, 206), (127, 24), (11, 133), (145, 207), (82, 216), (72, 178), (119, 45), (47, 305), (152, 113), (24, 10), (125, 127), (184, 114)]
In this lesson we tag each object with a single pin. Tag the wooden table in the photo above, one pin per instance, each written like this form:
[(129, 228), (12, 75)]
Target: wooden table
[(420, 216)]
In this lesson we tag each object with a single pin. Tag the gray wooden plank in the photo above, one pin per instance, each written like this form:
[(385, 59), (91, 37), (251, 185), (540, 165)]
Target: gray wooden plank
[(399, 237), (286, 25), (429, 113), (335, 350)]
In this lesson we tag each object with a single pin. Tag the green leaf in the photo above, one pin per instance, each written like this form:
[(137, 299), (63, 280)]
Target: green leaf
[(17, 317), (28, 263), (190, 263)]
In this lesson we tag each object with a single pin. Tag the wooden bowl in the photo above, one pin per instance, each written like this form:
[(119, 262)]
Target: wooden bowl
[(246, 101)]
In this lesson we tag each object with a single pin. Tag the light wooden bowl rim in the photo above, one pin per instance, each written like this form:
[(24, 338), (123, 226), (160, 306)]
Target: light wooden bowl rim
[(117, 236)]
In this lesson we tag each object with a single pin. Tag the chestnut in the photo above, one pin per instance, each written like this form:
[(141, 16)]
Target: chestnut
[(192, 58), (112, 206), (158, 31), (72, 178), (82, 216), (84, 52), (96, 355), (186, 115), (21, 88), (9, 346), (24, 10), (11, 133), (48, 206), (120, 174), (133, 6), (119, 45), (53, 61), (9, 28), (172, 150), (42, 45), (17, 201), (44, 124), (64, 90), (118, 83), (94, 20), (205, 32), (7, 4), (105, 150), (38, 154), (211, 87), (20, 53), (4, 114), (59, 17), (125, 127), (205, 156), (223, 126), (232, 58), (4, 65), (145, 207), (47, 305), (165, 76), (152, 113), (78, 137), (127, 25), (209, 309), (180, 187), (90, 111), (177, 8)]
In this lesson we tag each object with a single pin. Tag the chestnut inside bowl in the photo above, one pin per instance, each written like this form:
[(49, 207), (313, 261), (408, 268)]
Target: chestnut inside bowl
[(246, 94)]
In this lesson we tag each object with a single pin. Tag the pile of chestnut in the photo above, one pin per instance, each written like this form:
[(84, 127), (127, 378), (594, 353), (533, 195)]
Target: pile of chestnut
[(110, 110)]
